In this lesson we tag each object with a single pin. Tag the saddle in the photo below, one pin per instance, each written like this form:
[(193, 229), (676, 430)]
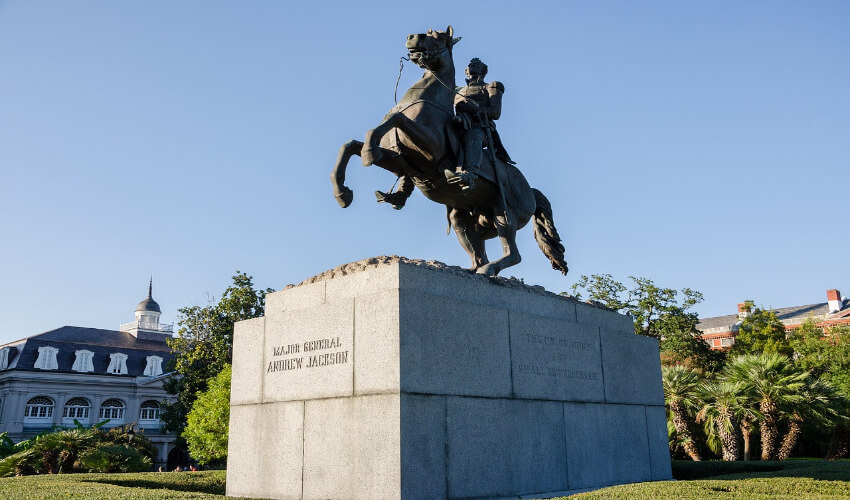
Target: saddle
[(504, 173)]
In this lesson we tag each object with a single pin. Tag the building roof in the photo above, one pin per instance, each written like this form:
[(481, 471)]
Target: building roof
[(69, 339), (148, 305), (717, 322), (794, 315)]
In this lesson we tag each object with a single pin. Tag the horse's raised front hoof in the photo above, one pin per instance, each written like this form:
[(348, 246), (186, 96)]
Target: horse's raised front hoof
[(345, 197), (370, 156)]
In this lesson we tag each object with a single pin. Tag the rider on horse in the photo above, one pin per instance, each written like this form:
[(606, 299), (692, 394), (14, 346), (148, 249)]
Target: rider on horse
[(419, 139), (477, 106)]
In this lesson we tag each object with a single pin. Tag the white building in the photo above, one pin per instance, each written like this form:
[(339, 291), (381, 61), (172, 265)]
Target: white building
[(89, 375)]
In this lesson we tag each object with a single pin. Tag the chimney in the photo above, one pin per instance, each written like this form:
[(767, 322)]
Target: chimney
[(833, 298), (744, 308)]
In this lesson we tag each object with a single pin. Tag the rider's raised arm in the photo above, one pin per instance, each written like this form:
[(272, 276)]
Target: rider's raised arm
[(494, 105)]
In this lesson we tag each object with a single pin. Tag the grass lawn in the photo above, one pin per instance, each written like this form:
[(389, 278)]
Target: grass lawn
[(797, 479), (206, 484)]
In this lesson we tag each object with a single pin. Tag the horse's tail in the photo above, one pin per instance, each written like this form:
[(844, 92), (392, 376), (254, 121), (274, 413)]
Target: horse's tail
[(546, 235)]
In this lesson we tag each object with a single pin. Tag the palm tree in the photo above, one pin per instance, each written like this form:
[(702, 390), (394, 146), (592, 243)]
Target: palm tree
[(724, 406), (680, 393), (747, 426), (68, 445), (54, 452), (775, 383), (819, 403)]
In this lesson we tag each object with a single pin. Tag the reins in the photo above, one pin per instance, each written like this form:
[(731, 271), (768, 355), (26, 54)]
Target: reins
[(400, 68), (429, 53)]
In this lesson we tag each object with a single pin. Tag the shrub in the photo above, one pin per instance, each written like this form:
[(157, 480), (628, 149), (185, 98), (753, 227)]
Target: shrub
[(23, 463), (7, 447), (60, 451), (126, 436), (114, 458), (206, 427)]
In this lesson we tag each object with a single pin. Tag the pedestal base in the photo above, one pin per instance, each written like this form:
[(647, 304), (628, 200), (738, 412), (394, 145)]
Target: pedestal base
[(401, 379)]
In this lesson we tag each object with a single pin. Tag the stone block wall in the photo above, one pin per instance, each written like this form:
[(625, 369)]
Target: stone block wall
[(402, 380)]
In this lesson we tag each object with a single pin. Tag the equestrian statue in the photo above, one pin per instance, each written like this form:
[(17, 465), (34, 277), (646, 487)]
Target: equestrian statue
[(443, 140)]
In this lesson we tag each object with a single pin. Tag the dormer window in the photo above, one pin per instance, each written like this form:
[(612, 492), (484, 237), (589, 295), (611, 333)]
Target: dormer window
[(83, 361), (117, 364), (47, 358), (154, 366), (5, 354)]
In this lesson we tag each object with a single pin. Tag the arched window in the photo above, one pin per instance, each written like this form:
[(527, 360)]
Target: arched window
[(149, 410), (149, 414), (112, 409), (39, 410), (76, 408)]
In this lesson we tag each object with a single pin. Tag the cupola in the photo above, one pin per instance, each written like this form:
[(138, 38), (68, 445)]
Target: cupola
[(148, 311), (146, 325)]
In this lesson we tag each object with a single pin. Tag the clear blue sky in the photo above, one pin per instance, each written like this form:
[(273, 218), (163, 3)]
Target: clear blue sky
[(700, 144)]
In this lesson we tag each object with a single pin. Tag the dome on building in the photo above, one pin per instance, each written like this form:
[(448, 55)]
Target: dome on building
[(148, 305)]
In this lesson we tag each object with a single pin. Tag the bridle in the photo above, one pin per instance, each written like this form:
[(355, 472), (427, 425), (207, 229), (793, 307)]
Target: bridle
[(429, 53)]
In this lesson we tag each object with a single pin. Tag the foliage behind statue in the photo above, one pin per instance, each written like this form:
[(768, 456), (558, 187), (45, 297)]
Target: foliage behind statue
[(662, 313), (204, 344), (81, 449)]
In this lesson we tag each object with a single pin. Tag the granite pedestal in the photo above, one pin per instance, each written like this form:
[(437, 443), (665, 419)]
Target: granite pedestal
[(396, 379)]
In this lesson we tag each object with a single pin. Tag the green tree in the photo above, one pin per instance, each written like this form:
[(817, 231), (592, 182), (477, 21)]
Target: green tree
[(761, 331), (681, 397), (207, 424), (662, 313), (827, 356), (682, 344), (204, 344), (602, 288), (773, 381)]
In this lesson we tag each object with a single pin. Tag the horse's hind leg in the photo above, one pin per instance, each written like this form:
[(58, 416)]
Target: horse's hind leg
[(510, 256), (471, 241), (343, 195)]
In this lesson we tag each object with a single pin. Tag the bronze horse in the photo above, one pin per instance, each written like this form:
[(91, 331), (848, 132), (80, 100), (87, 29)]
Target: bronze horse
[(418, 138)]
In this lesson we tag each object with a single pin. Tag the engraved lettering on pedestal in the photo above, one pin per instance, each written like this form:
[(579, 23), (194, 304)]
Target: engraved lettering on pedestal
[(553, 353), (309, 357)]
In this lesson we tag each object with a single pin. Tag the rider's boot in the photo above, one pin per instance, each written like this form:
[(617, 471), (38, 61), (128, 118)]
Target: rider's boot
[(467, 171), (465, 177), (399, 197)]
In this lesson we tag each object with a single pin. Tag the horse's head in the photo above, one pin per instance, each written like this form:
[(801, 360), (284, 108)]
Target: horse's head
[(432, 50)]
